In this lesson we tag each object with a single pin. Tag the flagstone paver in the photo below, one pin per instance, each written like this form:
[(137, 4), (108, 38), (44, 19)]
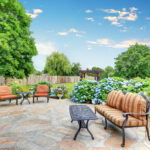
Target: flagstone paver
[(42, 126)]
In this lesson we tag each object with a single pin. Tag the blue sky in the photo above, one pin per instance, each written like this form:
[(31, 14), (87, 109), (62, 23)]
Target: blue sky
[(92, 32)]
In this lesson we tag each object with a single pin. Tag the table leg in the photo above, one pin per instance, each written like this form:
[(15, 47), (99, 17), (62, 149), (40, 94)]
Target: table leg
[(89, 130), (79, 122), (28, 100), (22, 99)]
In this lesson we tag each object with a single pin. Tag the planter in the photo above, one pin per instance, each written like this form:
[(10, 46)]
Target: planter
[(60, 96)]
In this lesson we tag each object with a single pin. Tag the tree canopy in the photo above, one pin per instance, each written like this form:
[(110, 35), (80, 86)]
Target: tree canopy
[(57, 64), (135, 62), (17, 47), (75, 69)]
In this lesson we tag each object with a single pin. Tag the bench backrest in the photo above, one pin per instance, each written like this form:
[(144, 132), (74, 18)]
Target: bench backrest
[(5, 90), (42, 89), (114, 99), (134, 103)]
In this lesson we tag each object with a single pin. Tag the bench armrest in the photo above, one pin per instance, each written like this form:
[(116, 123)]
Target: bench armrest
[(143, 114)]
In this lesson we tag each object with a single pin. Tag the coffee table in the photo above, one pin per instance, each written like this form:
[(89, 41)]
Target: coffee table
[(82, 113)]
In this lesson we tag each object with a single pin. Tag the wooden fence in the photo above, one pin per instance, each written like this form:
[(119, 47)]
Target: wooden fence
[(34, 79)]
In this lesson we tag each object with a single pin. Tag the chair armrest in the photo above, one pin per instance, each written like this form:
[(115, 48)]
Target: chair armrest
[(143, 114)]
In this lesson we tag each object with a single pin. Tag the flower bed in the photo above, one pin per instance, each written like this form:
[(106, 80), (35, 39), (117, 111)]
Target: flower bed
[(94, 92)]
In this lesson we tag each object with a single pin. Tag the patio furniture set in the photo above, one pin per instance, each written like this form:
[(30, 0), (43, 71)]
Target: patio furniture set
[(124, 110), (6, 94)]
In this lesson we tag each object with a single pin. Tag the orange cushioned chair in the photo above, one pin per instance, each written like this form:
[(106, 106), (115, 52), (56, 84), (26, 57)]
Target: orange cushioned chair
[(42, 91), (6, 94)]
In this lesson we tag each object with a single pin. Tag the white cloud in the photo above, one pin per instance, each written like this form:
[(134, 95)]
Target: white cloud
[(89, 48), (147, 18), (103, 41), (88, 11), (45, 48), (62, 33), (127, 43), (121, 15), (92, 42), (141, 28), (32, 15), (112, 11), (35, 13), (90, 19), (78, 35), (72, 30), (113, 18), (122, 44)]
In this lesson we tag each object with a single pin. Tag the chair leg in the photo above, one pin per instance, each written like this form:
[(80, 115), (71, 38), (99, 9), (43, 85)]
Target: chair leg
[(147, 132), (47, 99), (123, 137), (105, 127), (16, 101), (33, 99)]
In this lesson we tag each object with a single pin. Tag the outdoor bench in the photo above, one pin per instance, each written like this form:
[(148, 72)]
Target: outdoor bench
[(125, 111), (6, 94)]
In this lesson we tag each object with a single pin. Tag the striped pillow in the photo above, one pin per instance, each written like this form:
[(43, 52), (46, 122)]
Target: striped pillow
[(134, 103), (114, 99)]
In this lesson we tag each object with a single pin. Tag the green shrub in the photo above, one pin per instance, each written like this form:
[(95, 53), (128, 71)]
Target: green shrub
[(16, 89)]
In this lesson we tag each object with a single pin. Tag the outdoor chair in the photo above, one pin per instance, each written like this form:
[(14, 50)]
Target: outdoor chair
[(41, 91), (126, 111), (6, 94)]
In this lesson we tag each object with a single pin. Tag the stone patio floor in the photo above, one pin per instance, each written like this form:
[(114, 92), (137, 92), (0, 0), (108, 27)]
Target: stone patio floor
[(43, 126)]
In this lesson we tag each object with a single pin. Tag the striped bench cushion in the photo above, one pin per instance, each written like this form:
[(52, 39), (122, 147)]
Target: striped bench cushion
[(134, 103), (103, 108), (116, 117), (114, 99)]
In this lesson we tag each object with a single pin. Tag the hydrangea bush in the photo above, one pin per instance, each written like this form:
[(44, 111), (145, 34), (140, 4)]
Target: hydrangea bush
[(96, 92), (84, 91)]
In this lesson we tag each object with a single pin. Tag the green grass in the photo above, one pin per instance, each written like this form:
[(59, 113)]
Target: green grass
[(69, 86)]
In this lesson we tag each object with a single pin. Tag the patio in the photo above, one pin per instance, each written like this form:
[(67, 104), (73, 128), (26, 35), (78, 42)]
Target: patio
[(42, 126)]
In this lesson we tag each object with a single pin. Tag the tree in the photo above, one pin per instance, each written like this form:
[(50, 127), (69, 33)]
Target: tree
[(109, 71), (135, 62), (75, 69), (97, 68), (17, 47), (57, 64)]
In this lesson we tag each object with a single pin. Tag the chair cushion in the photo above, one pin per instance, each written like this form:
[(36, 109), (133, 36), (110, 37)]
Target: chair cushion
[(7, 97), (5, 90), (134, 103), (116, 117), (102, 108), (40, 94), (114, 99), (42, 89)]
